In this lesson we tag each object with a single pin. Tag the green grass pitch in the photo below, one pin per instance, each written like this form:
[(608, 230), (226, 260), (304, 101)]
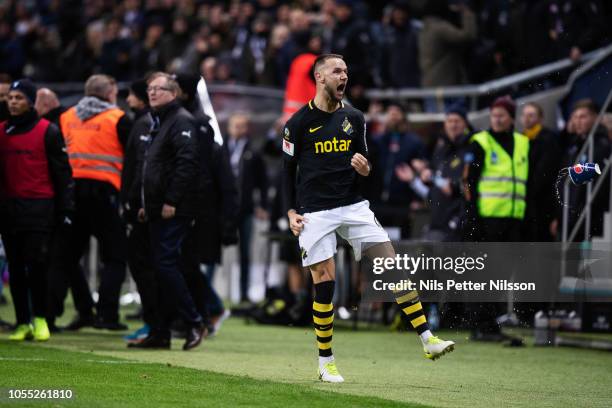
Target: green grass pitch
[(250, 365)]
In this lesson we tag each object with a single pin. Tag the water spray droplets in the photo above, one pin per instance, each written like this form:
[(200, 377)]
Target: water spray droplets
[(560, 177)]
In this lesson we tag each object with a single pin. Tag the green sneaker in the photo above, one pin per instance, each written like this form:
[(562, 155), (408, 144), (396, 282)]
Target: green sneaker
[(41, 330), (436, 348), (22, 332)]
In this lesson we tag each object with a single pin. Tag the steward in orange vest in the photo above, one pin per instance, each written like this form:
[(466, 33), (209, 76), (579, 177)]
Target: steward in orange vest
[(95, 147), (95, 131)]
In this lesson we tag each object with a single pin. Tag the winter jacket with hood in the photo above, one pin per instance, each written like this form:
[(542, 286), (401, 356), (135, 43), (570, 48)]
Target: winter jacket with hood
[(90, 106), (86, 109)]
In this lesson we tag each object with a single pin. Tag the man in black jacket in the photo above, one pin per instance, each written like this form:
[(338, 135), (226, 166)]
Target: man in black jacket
[(249, 169), (584, 115), (36, 191), (170, 203), (131, 174), (395, 147), (544, 163), (217, 223), (441, 183), (138, 241)]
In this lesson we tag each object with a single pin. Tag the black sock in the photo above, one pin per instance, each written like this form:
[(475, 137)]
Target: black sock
[(323, 316), (410, 304)]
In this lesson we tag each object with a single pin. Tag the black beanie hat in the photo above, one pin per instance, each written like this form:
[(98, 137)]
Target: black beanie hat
[(458, 109), (139, 88), (26, 87)]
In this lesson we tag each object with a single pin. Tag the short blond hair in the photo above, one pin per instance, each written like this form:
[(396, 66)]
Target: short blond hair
[(99, 85)]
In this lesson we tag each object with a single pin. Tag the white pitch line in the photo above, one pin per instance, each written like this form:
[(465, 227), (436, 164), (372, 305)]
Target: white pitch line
[(21, 359), (117, 362), (62, 361)]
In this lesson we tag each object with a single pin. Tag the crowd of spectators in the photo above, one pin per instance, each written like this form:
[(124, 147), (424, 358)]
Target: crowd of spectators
[(404, 43)]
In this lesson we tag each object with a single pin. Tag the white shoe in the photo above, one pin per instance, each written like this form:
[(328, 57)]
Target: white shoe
[(435, 348), (329, 373)]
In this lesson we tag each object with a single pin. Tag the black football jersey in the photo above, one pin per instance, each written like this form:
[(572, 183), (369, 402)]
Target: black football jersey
[(322, 144)]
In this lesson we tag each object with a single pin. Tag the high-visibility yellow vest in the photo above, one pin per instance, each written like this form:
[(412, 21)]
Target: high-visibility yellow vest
[(93, 146), (503, 183)]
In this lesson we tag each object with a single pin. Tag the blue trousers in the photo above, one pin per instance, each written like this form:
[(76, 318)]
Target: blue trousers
[(167, 238), (214, 305)]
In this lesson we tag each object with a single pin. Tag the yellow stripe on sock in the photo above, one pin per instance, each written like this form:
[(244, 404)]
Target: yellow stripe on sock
[(324, 333), (413, 308), (322, 321), (418, 321), (408, 297), (324, 346), (322, 307)]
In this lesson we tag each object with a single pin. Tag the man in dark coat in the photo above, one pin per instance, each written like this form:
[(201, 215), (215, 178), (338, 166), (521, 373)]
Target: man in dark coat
[(138, 241), (440, 184), (171, 201), (544, 164), (249, 169), (583, 117), (217, 224)]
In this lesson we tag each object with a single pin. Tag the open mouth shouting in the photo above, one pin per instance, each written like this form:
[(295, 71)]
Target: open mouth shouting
[(340, 90)]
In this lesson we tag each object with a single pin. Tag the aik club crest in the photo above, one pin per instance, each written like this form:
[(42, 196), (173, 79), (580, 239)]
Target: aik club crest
[(347, 127)]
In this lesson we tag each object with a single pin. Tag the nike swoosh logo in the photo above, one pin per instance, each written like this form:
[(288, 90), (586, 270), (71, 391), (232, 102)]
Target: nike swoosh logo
[(312, 130)]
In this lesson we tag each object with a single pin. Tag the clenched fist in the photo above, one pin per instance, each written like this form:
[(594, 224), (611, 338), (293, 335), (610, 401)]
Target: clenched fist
[(360, 164)]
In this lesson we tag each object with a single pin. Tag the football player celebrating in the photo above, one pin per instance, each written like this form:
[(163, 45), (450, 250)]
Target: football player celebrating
[(325, 152)]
